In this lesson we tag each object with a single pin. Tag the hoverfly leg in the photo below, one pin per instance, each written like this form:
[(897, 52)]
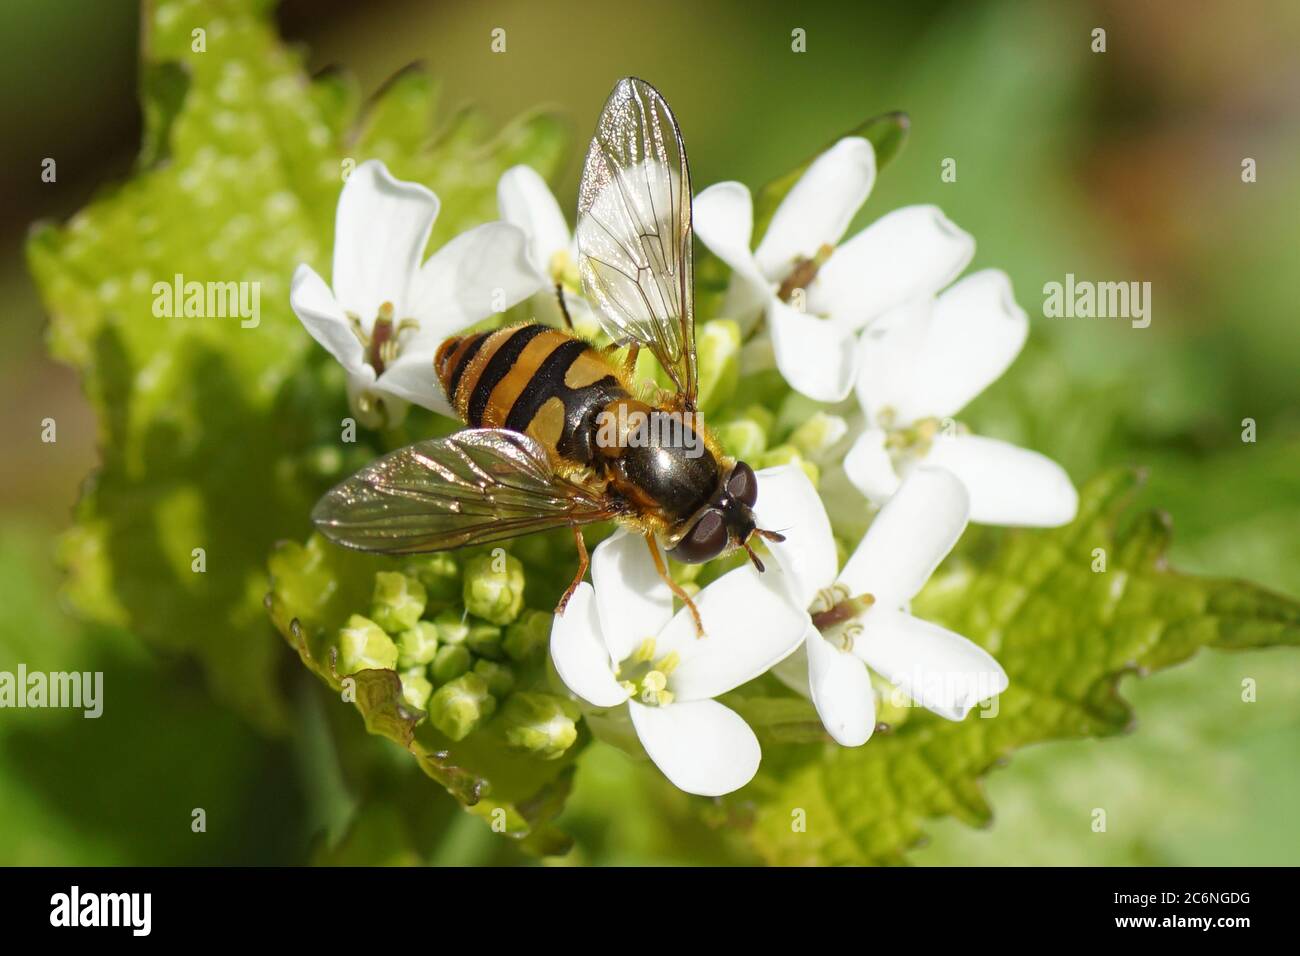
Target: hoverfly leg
[(583, 562), (673, 585), (564, 308)]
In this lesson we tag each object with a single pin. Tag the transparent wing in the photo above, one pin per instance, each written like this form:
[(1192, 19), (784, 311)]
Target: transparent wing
[(634, 229), (475, 487)]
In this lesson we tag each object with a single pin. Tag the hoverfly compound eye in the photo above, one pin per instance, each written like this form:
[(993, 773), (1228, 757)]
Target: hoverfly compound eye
[(706, 540), (742, 484)]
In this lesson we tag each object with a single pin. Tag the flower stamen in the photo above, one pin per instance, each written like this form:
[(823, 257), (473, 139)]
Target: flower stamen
[(647, 678), (382, 345), (842, 614), (803, 273)]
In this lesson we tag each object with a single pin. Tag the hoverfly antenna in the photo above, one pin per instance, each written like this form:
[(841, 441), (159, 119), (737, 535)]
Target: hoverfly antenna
[(753, 557), (776, 536)]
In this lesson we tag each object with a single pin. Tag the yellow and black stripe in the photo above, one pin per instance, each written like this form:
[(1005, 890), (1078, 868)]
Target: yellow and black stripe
[(532, 379)]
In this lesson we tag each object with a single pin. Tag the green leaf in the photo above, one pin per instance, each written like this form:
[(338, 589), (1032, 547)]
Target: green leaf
[(216, 433), (1065, 634)]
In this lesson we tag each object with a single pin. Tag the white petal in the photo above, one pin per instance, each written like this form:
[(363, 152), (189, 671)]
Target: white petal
[(579, 653), (914, 531), (412, 379), (818, 358), (362, 383), (977, 332), (750, 623), (889, 351), (480, 272), (380, 231), (701, 746), (635, 602), (940, 670), (793, 672), (930, 357), (1008, 485), (723, 219), (323, 318), (841, 691), (788, 503), (910, 252), (819, 207), (870, 468), (525, 200)]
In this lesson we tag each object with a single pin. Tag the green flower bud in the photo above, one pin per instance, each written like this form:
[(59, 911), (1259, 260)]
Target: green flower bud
[(452, 626), (500, 678), (485, 641), (416, 687), (648, 369), (529, 635), (818, 434), (784, 455), (742, 438), (542, 724), (760, 414), (450, 662), (417, 645), (363, 645), (494, 587), (458, 707), (324, 461), (440, 575), (398, 601), (794, 410), (717, 349), (891, 703)]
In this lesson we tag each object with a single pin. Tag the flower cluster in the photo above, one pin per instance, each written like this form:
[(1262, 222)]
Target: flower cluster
[(880, 345)]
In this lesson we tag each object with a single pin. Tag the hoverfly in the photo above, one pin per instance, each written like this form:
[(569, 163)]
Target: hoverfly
[(536, 398)]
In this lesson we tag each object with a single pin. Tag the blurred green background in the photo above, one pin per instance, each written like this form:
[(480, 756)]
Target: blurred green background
[(1117, 166)]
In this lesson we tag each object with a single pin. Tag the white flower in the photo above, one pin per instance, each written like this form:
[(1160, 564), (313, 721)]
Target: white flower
[(815, 296), (920, 365), (861, 608), (387, 314), (619, 644), (524, 200)]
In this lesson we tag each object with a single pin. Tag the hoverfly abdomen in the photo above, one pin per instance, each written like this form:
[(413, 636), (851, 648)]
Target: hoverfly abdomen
[(532, 379)]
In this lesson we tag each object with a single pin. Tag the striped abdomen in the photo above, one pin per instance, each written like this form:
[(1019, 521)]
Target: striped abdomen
[(533, 379)]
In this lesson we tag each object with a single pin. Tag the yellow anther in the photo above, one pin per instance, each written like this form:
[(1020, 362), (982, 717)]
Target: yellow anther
[(654, 681), (668, 663), (645, 651)]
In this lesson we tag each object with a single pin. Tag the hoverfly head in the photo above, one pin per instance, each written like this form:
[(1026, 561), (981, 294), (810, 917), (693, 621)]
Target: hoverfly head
[(726, 522)]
